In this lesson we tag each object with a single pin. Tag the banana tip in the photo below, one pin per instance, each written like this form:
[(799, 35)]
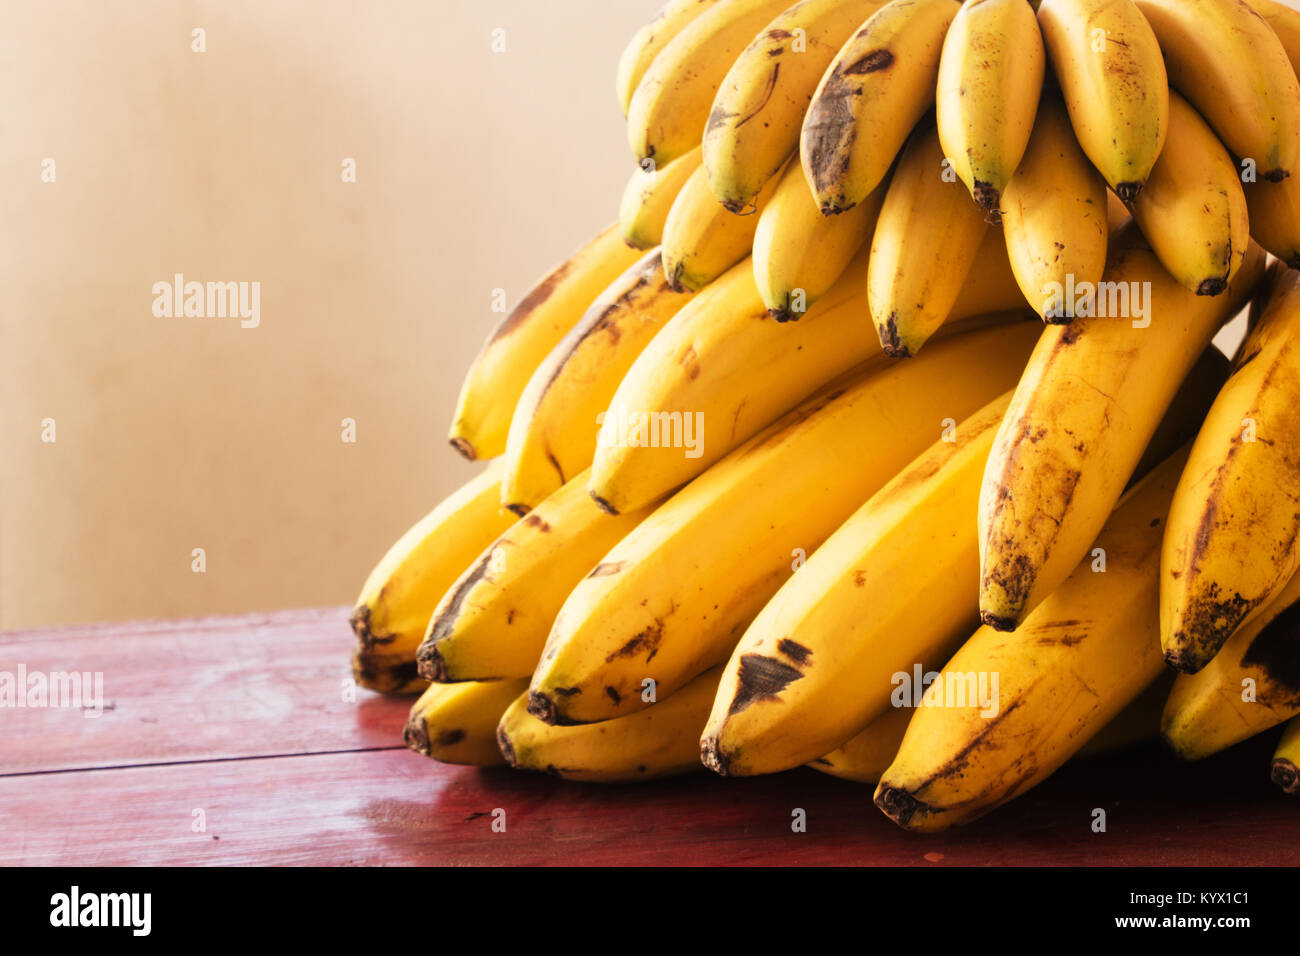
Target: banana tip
[(897, 804), (713, 756), (999, 622), (603, 504), (506, 747), (463, 446), (1276, 175), (1128, 191), (415, 736), (1285, 775), (430, 664), (542, 707), (1183, 661)]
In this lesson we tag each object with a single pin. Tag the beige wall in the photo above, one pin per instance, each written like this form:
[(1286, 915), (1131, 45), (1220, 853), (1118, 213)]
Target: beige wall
[(475, 170)]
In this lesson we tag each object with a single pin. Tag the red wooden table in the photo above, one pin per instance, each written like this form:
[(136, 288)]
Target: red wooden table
[(232, 741)]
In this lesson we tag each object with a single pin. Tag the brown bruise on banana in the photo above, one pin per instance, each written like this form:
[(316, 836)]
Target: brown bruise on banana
[(361, 625), (384, 676), (506, 747), (537, 295), (890, 342), (428, 658)]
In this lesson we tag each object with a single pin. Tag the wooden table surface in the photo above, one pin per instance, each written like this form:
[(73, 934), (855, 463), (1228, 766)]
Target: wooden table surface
[(233, 741)]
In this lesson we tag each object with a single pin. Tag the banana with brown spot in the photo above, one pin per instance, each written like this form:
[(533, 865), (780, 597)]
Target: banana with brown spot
[(457, 723), (648, 197)]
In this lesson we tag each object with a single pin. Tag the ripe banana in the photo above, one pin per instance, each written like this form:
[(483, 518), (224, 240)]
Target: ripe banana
[(1087, 405), (702, 240), (1231, 542), (401, 592), (878, 88), (1286, 760), (659, 741), (553, 432), (1274, 217), (493, 620), (990, 75), (1225, 58), (798, 252), (1285, 22), (668, 111), (754, 124), (1250, 686), (1054, 214), (525, 337), (662, 606), (457, 723), (911, 284), (1193, 211), (1071, 667), (1112, 75), (647, 42), (890, 587), (649, 195)]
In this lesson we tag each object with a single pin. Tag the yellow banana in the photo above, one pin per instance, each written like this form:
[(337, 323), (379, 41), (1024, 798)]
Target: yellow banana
[(1250, 686), (1112, 75), (668, 111), (1070, 668), (756, 116), (647, 42), (1231, 542), (1054, 213), (1285, 22), (401, 592), (553, 432), (798, 252), (671, 599), (1225, 58), (1192, 209), (878, 88), (493, 620), (649, 195), (911, 284), (525, 337), (1087, 405), (457, 723), (1274, 217), (990, 75), (660, 741), (1286, 760)]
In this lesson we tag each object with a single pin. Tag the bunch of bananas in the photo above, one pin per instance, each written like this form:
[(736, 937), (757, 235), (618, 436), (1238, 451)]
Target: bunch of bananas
[(1034, 513)]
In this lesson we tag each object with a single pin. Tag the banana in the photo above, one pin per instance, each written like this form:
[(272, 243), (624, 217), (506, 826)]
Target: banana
[(525, 337), (990, 75), (1054, 213), (649, 195), (890, 587), (660, 741), (1274, 217), (553, 432), (457, 723), (672, 598), (702, 240), (912, 285), (1286, 759), (1225, 58), (878, 88), (493, 621), (1112, 75), (647, 42), (1082, 656), (1231, 541), (1250, 686), (1088, 403), (1285, 22), (401, 592), (756, 117), (798, 252), (1193, 211), (668, 111)]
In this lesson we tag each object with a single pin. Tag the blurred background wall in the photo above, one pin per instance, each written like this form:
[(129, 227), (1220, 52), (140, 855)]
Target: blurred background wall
[(474, 170)]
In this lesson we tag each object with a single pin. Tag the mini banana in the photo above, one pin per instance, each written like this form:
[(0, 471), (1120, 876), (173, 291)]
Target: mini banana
[(671, 599), (798, 252), (524, 338), (1112, 75), (911, 284), (670, 106), (649, 195), (659, 741), (1054, 213), (990, 75), (1087, 405), (403, 589), (1193, 210), (647, 42), (493, 621), (457, 723), (1075, 663), (1231, 542), (1274, 217), (1229, 63), (554, 430), (878, 88), (756, 117), (1285, 771)]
